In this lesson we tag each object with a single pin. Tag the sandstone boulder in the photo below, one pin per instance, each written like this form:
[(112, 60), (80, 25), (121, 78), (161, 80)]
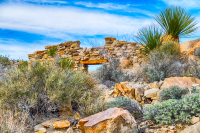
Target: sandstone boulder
[(183, 82), (189, 46), (114, 120)]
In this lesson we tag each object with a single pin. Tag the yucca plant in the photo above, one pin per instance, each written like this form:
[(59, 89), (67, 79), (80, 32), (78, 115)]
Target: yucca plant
[(176, 22), (150, 38)]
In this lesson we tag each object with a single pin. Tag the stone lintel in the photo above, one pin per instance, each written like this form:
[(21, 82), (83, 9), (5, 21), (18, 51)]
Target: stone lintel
[(93, 62)]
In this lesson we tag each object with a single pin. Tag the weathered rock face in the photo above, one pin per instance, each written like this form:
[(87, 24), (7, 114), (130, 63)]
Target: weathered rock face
[(190, 46), (192, 129), (114, 120), (183, 82)]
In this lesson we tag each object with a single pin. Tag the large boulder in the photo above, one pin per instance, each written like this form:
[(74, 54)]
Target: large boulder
[(114, 120), (182, 82), (189, 46)]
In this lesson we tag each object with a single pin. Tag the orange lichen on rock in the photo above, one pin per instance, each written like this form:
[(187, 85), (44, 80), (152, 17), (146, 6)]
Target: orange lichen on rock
[(61, 124)]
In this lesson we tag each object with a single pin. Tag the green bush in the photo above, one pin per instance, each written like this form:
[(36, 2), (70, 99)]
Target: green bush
[(52, 51), (111, 74), (42, 88), (150, 38), (194, 68), (194, 90), (173, 92), (127, 103), (23, 65), (197, 52), (4, 60), (173, 110), (170, 48), (158, 66), (66, 63)]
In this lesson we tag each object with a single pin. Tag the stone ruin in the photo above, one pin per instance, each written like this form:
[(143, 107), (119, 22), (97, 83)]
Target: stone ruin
[(92, 56)]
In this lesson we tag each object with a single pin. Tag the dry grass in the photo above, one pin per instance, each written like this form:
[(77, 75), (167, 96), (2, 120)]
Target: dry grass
[(92, 103), (12, 123)]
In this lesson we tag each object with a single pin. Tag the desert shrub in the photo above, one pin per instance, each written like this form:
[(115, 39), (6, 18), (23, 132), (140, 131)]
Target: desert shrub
[(91, 103), (127, 103), (52, 51), (159, 66), (66, 63), (173, 92), (170, 48), (23, 65), (150, 38), (42, 88), (173, 110), (111, 74), (4, 60), (197, 52), (194, 68), (194, 90)]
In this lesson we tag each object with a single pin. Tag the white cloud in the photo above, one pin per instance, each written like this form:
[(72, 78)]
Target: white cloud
[(20, 50), (112, 6), (59, 22), (189, 4), (107, 6), (40, 1)]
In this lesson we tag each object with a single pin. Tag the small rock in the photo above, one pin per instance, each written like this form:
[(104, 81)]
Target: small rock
[(40, 132), (69, 130), (164, 130), (49, 123), (151, 93), (171, 127), (194, 120), (39, 128), (155, 84), (77, 116), (61, 124)]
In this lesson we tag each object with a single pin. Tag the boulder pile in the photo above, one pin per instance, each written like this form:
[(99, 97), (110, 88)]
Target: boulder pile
[(147, 93)]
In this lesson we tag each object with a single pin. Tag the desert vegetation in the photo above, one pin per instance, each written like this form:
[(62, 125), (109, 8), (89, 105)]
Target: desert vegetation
[(32, 92)]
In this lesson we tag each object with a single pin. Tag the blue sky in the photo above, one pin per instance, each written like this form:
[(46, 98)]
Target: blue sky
[(29, 25)]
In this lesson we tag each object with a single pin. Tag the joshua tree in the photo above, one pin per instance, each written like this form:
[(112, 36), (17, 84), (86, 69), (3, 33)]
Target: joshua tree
[(149, 37), (176, 22)]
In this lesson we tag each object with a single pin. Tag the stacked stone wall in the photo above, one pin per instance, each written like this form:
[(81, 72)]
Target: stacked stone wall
[(90, 56)]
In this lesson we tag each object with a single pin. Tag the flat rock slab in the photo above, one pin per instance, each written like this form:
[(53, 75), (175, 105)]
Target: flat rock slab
[(182, 82)]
